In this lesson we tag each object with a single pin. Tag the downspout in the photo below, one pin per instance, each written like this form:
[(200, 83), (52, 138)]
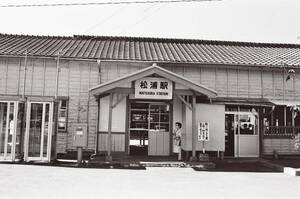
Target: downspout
[(24, 79), (98, 113)]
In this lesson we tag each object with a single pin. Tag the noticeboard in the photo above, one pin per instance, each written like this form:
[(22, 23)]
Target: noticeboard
[(203, 131)]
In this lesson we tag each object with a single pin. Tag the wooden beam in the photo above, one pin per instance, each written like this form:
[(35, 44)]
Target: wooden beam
[(183, 100), (118, 100), (109, 137), (184, 92)]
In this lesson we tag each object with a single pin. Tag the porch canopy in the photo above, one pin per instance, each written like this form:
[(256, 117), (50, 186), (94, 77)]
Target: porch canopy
[(183, 87), (117, 85)]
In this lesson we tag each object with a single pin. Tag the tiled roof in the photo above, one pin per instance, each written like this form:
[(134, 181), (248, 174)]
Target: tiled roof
[(151, 49)]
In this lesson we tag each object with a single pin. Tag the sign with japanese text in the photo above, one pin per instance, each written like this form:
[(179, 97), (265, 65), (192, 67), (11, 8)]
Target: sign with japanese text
[(153, 88), (203, 131)]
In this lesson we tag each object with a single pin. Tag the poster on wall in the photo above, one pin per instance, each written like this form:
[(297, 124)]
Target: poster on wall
[(153, 88), (203, 131)]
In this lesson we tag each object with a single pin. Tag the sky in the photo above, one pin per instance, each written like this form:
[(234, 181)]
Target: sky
[(267, 21)]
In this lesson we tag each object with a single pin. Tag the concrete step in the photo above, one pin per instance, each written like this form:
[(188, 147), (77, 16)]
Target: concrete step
[(291, 171), (178, 164)]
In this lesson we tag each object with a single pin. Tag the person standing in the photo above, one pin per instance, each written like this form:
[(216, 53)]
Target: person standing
[(177, 139)]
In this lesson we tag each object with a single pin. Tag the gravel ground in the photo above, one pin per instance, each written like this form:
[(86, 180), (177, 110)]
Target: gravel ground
[(28, 181)]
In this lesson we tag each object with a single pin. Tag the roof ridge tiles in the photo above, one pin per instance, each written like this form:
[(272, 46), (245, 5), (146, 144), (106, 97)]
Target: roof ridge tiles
[(156, 49), (160, 39)]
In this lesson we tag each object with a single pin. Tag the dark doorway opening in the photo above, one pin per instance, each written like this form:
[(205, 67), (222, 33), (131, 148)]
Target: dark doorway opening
[(138, 136), (229, 135)]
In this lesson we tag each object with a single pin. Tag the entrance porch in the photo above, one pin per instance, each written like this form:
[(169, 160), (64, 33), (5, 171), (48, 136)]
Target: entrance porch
[(127, 115)]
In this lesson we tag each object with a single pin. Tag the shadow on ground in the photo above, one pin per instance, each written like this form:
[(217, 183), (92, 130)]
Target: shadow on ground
[(239, 167)]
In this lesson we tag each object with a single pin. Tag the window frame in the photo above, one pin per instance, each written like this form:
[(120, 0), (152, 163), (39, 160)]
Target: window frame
[(66, 112)]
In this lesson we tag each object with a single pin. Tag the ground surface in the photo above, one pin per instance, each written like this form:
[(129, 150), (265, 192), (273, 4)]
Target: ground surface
[(292, 162), (27, 181)]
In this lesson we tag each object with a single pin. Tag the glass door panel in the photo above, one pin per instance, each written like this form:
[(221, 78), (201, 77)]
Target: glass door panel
[(159, 136), (8, 125), (38, 131), (3, 127), (11, 129), (247, 139), (19, 130), (159, 117), (46, 130), (35, 131)]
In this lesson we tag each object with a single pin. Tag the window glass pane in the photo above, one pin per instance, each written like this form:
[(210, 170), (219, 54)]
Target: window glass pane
[(46, 127), (278, 116), (3, 119), (62, 115), (35, 130), (19, 128), (11, 127), (248, 123)]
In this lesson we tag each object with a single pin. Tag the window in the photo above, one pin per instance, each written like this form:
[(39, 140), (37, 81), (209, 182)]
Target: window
[(62, 115)]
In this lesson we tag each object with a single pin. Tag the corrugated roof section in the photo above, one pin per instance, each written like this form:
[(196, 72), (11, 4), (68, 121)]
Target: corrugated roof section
[(152, 49)]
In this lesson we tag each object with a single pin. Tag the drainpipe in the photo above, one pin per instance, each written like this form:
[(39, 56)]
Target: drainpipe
[(57, 76), (24, 79), (98, 113)]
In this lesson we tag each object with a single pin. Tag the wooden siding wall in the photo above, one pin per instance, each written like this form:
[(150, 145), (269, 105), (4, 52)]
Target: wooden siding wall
[(282, 146), (215, 115), (75, 79), (241, 81)]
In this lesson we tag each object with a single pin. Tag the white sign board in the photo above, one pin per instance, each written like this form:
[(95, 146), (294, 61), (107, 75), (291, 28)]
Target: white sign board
[(153, 88), (203, 131)]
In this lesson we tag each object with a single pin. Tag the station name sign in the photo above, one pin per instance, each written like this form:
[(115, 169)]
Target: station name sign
[(153, 88)]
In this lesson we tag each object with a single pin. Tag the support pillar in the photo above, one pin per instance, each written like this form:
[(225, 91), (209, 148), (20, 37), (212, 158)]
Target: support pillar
[(194, 129), (109, 138), (79, 155)]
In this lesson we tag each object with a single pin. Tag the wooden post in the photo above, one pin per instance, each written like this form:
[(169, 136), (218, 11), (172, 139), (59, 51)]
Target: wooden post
[(109, 139), (97, 127), (79, 156), (293, 122), (194, 128)]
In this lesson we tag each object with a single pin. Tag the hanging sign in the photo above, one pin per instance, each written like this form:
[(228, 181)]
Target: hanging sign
[(203, 131), (153, 88)]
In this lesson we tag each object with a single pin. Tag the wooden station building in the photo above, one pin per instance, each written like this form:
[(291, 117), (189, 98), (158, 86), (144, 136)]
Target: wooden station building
[(124, 95)]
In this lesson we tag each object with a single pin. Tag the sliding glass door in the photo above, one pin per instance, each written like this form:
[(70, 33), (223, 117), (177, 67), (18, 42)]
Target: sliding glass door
[(38, 131), (11, 114)]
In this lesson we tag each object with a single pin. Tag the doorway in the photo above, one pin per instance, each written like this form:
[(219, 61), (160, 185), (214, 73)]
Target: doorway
[(241, 134), (11, 117), (229, 135), (38, 135), (149, 128)]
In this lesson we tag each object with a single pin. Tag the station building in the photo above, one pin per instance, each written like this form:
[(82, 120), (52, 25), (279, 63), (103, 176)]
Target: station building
[(124, 95)]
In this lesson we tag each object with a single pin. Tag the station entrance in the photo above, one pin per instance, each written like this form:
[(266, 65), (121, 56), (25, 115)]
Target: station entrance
[(149, 128), (241, 134)]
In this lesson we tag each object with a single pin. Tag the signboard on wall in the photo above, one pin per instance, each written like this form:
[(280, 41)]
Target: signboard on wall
[(203, 131), (153, 88)]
